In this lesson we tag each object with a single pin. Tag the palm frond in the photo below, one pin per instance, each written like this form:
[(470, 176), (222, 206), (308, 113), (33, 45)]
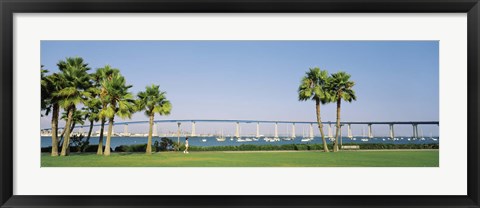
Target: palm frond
[(313, 86)]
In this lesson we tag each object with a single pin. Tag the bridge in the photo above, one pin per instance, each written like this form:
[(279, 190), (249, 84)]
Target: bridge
[(237, 123)]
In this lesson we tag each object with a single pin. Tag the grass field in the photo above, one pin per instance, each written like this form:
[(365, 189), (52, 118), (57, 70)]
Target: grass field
[(409, 158)]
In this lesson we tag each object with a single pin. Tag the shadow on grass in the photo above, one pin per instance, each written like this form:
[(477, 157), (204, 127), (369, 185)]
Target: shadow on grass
[(128, 153), (82, 153), (95, 154)]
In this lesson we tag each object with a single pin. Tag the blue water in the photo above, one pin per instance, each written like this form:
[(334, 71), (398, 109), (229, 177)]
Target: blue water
[(211, 141)]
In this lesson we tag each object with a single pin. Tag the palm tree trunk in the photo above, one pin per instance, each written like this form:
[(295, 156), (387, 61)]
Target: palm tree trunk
[(100, 139), (66, 141), (320, 125), (73, 127), (335, 145), (88, 136), (109, 135), (71, 130), (150, 131), (55, 130), (63, 133), (60, 143)]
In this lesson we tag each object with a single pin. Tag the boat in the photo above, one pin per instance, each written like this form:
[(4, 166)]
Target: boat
[(239, 139), (306, 139), (271, 139), (364, 139), (287, 138), (422, 138), (221, 138)]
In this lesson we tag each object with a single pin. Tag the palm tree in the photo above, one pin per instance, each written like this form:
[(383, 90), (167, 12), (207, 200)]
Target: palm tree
[(76, 80), (50, 85), (313, 87), (120, 102), (152, 100), (98, 77), (340, 87)]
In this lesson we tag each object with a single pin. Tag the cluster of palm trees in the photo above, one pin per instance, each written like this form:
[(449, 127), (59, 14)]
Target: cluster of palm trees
[(319, 86), (102, 95)]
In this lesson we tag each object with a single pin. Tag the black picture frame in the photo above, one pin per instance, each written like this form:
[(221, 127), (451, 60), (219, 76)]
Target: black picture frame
[(9, 7)]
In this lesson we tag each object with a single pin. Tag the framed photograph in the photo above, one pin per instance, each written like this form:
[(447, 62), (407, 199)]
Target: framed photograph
[(239, 103)]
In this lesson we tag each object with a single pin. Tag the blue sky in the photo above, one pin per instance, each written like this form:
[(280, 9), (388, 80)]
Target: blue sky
[(395, 80)]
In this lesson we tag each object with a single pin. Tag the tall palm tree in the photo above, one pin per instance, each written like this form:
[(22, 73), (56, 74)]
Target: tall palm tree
[(313, 87), (50, 85), (120, 102), (340, 87), (73, 73), (152, 100), (98, 77)]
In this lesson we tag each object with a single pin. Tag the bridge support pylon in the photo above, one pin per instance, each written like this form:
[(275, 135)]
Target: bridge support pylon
[(276, 131), (330, 132), (392, 132), (370, 132), (237, 130), (349, 131), (193, 130), (415, 131), (293, 130), (258, 130)]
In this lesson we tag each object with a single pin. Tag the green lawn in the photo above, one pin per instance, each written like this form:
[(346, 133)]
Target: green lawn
[(410, 158)]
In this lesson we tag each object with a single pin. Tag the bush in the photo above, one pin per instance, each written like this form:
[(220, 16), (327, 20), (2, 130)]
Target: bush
[(132, 148), (250, 147), (94, 148), (395, 146), (166, 144), (89, 148), (79, 142)]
